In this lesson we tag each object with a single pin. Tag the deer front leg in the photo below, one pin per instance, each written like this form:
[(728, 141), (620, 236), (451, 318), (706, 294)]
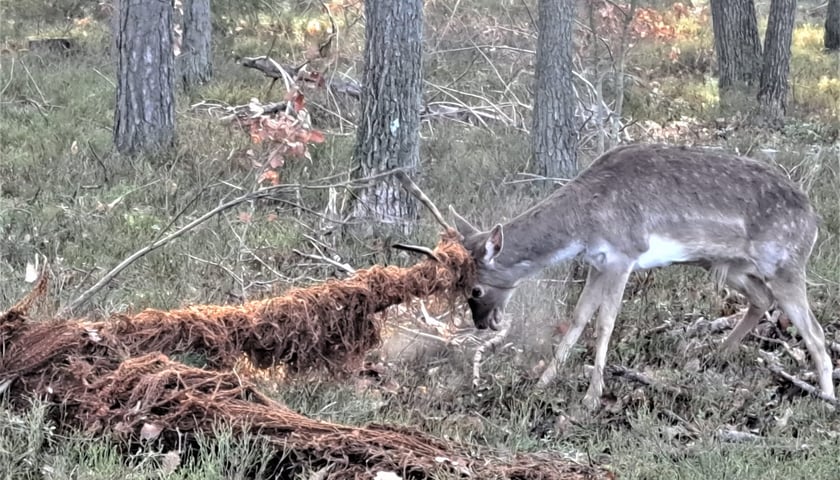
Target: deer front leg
[(586, 305), (614, 284)]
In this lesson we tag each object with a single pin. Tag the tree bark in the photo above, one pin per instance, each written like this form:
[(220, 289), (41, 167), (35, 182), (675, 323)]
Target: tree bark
[(832, 25), (737, 45), (144, 117), (388, 133), (196, 59), (554, 130), (772, 93)]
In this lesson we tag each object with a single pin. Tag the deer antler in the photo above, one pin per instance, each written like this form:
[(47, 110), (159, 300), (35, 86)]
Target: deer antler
[(418, 249)]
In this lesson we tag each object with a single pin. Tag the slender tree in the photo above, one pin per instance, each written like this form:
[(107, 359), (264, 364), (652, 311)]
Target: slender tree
[(737, 45), (832, 25), (388, 133), (144, 118), (196, 59), (772, 93), (554, 141)]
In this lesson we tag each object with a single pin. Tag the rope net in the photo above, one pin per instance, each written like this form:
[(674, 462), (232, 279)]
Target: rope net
[(115, 377)]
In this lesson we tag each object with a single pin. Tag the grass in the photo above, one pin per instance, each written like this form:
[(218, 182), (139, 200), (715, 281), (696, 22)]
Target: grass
[(67, 199)]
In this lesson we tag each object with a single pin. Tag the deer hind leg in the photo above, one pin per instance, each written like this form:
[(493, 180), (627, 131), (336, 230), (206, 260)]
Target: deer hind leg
[(612, 291), (587, 303), (760, 299), (791, 293)]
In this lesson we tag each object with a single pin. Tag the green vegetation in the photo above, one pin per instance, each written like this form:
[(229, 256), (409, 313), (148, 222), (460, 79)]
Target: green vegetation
[(67, 199)]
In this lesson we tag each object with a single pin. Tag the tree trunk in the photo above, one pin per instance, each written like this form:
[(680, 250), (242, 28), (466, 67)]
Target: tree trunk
[(737, 45), (832, 25), (554, 129), (196, 59), (388, 133), (772, 93), (144, 118)]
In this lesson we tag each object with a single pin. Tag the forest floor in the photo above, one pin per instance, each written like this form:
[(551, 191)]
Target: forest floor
[(68, 201)]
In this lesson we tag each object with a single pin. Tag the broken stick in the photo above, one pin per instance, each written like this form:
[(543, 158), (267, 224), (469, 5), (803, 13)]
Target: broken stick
[(774, 366)]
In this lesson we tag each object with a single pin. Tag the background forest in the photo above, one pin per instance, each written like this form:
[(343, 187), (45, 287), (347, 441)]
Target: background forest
[(80, 192)]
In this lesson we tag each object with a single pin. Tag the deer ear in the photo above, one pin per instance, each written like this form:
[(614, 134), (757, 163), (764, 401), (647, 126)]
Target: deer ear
[(495, 242), (464, 227)]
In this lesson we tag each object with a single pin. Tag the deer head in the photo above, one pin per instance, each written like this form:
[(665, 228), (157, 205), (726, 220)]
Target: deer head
[(488, 297)]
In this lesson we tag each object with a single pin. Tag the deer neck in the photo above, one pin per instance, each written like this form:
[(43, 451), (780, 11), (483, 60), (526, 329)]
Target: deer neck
[(546, 234)]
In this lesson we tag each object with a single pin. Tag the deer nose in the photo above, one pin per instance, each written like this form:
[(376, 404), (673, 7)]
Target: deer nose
[(495, 319), (481, 314)]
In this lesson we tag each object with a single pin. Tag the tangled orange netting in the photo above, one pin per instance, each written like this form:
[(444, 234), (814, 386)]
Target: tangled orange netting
[(115, 376)]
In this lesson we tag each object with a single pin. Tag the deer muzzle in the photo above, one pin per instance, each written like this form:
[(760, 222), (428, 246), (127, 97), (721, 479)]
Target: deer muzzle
[(485, 316)]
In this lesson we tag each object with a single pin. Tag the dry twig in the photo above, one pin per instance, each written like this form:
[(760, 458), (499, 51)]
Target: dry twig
[(266, 192), (638, 377), (341, 266), (737, 436), (703, 326), (496, 339), (773, 365), (84, 297), (412, 188)]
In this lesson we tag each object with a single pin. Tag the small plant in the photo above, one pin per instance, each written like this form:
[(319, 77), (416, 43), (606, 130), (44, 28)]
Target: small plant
[(646, 22), (284, 133)]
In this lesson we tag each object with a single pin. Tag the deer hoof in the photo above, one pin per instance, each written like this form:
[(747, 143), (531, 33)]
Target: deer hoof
[(591, 401), (547, 376)]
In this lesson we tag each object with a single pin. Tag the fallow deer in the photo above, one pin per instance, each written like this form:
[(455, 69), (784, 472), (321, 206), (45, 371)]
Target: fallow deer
[(644, 206)]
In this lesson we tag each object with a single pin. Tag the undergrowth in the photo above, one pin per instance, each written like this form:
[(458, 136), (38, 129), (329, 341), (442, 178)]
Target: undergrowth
[(68, 201)]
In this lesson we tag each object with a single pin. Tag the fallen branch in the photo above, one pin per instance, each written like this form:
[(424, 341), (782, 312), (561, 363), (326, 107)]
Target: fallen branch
[(269, 67), (797, 354), (471, 115), (54, 45), (619, 371), (266, 192), (773, 365), (737, 436), (341, 266), (455, 110), (413, 189), (275, 70), (84, 297), (703, 326)]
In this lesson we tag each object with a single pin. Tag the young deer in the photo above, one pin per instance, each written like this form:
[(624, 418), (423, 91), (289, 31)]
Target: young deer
[(643, 206)]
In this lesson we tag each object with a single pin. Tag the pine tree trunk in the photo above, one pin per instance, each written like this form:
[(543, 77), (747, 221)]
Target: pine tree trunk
[(196, 59), (388, 133), (772, 93), (737, 45), (554, 130), (832, 25), (144, 118)]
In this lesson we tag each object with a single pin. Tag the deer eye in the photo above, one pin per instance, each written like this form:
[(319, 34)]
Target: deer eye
[(477, 292)]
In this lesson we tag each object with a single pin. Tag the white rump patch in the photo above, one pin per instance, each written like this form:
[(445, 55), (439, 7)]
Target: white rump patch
[(661, 251)]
